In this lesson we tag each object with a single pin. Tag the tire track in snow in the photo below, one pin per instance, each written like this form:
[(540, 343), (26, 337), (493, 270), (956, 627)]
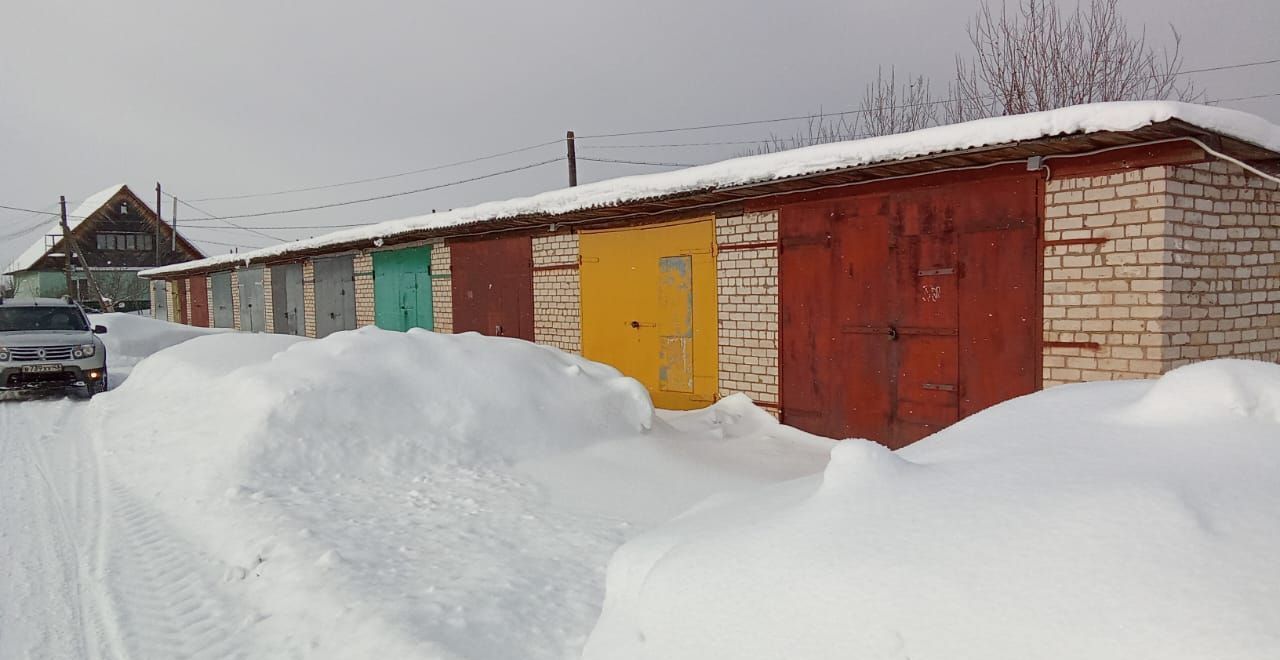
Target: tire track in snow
[(87, 570), (75, 563), (168, 600), (45, 568)]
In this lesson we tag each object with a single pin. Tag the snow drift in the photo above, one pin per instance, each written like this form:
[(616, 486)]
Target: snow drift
[(131, 338), (378, 401), (1110, 520), (412, 495)]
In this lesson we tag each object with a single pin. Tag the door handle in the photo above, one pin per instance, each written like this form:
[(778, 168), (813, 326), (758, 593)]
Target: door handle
[(893, 333), (637, 325)]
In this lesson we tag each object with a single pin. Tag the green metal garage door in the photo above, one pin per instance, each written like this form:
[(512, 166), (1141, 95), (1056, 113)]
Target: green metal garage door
[(402, 288)]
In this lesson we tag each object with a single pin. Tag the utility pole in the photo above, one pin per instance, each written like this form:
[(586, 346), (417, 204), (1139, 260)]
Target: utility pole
[(573, 159), (159, 221), (173, 218), (66, 243)]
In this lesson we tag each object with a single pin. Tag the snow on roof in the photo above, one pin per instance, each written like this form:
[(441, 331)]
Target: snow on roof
[(37, 251), (1090, 118)]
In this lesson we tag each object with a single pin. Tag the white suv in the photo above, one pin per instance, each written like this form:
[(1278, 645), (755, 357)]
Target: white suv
[(48, 344)]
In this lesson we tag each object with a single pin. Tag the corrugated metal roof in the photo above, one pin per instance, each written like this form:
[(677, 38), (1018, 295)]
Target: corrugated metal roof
[(757, 171)]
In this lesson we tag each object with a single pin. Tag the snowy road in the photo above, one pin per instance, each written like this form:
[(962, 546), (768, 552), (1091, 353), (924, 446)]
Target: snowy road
[(84, 562), (260, 496)]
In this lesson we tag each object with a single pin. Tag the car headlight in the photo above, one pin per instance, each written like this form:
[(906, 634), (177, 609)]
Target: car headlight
[(83, 351), (4, 354)]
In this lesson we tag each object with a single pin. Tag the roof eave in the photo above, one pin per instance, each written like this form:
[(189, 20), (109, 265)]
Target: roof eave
[(1075, 143)]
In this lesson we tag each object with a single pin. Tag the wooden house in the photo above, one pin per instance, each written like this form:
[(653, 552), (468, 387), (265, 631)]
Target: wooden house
[(114, 235)]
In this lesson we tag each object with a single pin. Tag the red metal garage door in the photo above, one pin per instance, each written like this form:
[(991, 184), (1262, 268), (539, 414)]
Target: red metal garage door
[(199, 307), (905, 310), (493, 286)]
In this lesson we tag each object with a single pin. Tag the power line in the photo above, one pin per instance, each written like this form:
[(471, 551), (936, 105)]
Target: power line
[(224, 221), (284, 227), (774, 120), (235, 245), (715, 143), (633, 162), (349, 202), (1244, 98), (381, 178), (25, 230), (16, 208)]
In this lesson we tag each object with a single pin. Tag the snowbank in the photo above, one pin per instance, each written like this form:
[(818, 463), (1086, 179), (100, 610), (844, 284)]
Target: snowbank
[(1110, 520), (131, 338), (1088, 118), (378, 400), (379, 494)]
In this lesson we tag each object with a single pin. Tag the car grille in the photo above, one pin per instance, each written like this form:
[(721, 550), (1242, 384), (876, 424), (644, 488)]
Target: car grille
[(40, 353)]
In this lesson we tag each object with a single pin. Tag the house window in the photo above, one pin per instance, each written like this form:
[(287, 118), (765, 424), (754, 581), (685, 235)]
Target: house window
[(126, 242)]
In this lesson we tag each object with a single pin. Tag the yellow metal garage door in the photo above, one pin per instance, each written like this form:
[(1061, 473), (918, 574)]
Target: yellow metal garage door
[(649, 308)]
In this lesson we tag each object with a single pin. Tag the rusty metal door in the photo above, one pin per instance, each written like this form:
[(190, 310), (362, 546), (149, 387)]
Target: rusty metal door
[(926, 326), (906, 311), (286, 300), (811, 379), (223, 316), (493, 286), (199, 301), (253, 300), (335, 283)]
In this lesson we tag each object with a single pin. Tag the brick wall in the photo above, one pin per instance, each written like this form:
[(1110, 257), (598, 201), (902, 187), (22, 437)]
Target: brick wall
[(1225, 294), (208, 291), (151, 289), (747, 285), (441, 288), (235, 299), (186, 295), (1184, 270), (270, 324), (309, 297), (362, 264), (557, 300)]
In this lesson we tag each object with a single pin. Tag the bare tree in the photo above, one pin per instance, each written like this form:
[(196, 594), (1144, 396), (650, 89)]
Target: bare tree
[(820, 128), (1035, 58), (887, 109), (1040, 58)]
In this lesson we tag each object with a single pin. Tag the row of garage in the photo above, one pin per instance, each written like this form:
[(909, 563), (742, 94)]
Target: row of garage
[(880, 301), (272, 298), (932, 319)]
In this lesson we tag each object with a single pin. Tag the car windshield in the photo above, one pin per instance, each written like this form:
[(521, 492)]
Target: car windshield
[(35, 319)]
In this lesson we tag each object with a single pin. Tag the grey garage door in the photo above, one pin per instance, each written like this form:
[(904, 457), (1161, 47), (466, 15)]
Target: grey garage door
[(159, 300), (286, 299), (335, 295), (222, 313), (253, 301)]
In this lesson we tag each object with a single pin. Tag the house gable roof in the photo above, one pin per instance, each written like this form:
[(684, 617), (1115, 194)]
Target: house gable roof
[(77, 218)]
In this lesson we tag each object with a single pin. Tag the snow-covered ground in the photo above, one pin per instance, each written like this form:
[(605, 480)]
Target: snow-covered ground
[(373, 494), (414, 495), (1113, 520)]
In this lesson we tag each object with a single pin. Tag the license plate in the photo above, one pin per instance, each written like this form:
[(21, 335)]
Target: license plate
[(41, 368)]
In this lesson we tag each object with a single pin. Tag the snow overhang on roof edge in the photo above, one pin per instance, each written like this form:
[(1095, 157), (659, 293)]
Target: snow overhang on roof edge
[(1122, 116)]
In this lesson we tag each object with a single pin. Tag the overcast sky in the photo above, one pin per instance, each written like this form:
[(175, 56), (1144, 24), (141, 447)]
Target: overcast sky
[(231, 97)]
